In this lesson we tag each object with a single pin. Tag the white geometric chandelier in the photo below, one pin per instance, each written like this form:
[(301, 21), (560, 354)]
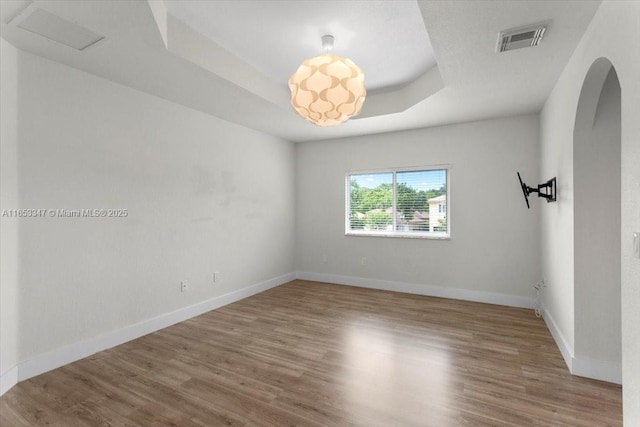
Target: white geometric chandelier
[(327, 90)]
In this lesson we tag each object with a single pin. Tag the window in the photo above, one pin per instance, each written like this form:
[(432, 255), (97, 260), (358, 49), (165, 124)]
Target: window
[(399, 203)]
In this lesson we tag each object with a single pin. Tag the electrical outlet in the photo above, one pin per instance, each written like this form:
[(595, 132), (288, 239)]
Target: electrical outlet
[(184, 285), (363, 261), (216, 277), (636, 244)]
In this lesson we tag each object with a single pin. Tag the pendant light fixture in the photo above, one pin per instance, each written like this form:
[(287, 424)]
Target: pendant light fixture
[(327, 90)]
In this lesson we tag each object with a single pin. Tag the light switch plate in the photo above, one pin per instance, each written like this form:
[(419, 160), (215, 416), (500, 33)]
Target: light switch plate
[(636, 244)]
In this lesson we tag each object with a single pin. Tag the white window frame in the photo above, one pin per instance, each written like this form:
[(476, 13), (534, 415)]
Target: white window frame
[(435, 235)]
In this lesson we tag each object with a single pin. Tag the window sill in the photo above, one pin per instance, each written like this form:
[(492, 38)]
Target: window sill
[(429, 236)]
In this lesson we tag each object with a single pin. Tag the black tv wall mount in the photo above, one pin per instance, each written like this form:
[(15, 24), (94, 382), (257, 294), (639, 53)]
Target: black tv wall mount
[(546, 190)]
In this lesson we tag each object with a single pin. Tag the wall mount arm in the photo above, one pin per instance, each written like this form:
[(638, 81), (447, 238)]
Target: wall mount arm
[(545, 190)]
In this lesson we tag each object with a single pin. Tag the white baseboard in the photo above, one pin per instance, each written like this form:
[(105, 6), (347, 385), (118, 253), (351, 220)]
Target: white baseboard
[(597, 369), (71, 353), (561, 342), (580, 365), (76, 351), (8, 379), (428, 290)]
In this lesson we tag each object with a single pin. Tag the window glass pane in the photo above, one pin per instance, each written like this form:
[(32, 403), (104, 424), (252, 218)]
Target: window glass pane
[(371, 202), (421, 201), (418, 196)]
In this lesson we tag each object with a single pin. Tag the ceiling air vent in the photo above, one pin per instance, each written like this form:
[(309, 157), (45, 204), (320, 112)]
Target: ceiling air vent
[(53, 27), (520, 37)]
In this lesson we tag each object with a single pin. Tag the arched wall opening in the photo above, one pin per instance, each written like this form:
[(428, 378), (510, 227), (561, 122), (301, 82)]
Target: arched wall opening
[(597, 226)]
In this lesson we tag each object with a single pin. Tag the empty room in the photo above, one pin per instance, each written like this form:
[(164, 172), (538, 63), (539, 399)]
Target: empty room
[(319, 213)]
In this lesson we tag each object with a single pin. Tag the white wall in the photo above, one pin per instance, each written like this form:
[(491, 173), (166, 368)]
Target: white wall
[(493, 250), (8, 226), (202, 194), (597, 233), (614, 34)]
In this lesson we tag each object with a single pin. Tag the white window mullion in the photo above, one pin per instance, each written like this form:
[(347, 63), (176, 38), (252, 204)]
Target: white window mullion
[(394, 226)]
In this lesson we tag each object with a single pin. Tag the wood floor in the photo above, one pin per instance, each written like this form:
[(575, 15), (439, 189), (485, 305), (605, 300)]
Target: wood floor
[(315, 354)]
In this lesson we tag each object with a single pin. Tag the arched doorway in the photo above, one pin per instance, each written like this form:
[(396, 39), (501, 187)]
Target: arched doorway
[(597, 226)]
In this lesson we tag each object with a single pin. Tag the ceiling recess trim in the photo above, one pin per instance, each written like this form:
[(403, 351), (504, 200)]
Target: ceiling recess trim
[(518, 38), (45, 24)]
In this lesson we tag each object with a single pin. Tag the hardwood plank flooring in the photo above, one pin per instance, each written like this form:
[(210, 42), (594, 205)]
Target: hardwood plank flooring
[(314, 354)]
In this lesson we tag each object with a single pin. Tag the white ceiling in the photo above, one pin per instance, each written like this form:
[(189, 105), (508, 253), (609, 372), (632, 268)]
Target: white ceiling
[(386, 38), (230, 60)]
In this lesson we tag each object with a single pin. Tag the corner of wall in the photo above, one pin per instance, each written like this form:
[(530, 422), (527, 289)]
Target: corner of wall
[(9, 200), (565, 349)]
